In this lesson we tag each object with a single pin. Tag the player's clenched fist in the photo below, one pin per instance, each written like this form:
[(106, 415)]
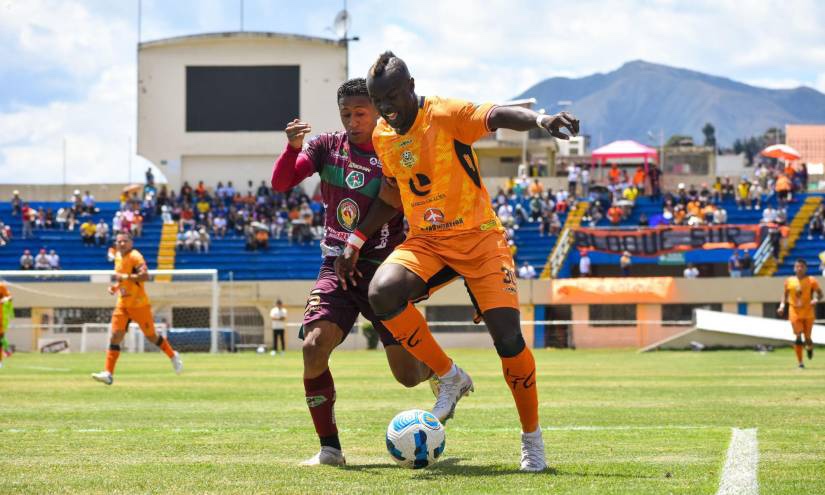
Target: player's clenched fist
[(295, 132)]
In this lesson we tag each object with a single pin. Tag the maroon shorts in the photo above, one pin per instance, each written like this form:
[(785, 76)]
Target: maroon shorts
[(330, 302)]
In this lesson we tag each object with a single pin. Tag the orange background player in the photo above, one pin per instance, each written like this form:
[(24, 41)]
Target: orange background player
[(431, 171), (800, 290), (5, 296), (131, 274)]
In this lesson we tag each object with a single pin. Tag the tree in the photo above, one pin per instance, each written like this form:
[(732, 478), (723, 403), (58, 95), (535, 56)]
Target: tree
[(710, 135), (679, 140)]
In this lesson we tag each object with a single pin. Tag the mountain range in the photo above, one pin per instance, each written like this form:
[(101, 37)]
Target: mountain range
[(640, 99)]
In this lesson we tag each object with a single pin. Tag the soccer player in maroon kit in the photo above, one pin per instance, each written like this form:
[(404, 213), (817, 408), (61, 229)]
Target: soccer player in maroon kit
[(350, 181)]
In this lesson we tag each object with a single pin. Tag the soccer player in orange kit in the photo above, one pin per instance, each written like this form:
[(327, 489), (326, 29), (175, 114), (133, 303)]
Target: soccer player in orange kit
[(431, 171), (800, 290), (133, 304)]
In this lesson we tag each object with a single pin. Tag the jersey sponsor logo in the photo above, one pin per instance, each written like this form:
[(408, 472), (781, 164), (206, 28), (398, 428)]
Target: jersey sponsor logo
[(429, 200), (443, 226), (375, 162), (348, 213), (488, 225), (355, 179), (408, 159), (421, 181), (434, 216), (337, 234), (403, 143), (360, 167)]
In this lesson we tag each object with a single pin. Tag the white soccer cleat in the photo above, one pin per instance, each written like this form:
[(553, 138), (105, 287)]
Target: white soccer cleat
[(450, 392), (532, 452), (103, 377), (1, 364), (327, 456), (177, 363)]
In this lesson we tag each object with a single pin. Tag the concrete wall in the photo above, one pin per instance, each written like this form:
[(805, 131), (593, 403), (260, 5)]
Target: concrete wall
[(209, 156)]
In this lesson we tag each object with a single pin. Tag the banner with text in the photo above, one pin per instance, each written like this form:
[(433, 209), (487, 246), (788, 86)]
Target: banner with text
[(654, 241)]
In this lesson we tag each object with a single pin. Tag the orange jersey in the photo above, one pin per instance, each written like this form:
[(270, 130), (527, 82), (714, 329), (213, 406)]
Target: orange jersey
[(436, 168), (4, 291), (800, 294), (131, 293)]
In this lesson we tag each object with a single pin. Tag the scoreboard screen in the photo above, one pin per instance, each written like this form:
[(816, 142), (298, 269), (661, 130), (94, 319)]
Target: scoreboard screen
[(241, 98)]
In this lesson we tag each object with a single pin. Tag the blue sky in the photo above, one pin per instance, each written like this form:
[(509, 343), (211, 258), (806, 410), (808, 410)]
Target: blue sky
[(68, 66)]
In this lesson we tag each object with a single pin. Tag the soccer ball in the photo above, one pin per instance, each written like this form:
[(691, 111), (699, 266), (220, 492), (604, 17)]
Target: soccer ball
[(261, 349), (415, 439)]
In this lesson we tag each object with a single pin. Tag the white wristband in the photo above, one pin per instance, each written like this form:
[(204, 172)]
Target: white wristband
[(539, 118), (356, 240)]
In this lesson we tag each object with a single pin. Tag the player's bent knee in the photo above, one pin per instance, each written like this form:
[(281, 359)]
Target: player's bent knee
[(386, 300), (510, 345)]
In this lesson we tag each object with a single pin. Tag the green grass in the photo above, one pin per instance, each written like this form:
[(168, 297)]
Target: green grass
[(616, 422)]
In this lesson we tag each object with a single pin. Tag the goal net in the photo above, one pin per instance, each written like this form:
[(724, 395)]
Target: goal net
[(70, 311)]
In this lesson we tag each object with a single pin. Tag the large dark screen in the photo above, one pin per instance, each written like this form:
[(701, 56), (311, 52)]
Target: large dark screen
[(241, 98)]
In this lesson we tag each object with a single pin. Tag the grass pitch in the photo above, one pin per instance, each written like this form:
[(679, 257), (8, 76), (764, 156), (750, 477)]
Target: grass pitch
[(615, 422)]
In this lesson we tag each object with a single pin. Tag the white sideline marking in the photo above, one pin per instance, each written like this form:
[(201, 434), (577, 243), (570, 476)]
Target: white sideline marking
[(739, 473), (46, 368)]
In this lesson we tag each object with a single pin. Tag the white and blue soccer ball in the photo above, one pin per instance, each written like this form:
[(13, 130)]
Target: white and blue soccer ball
[(415, 439)]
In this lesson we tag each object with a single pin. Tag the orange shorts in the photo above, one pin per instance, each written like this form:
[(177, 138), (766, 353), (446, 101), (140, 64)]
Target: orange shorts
[(802, 326), (482, 258), (142, 316)]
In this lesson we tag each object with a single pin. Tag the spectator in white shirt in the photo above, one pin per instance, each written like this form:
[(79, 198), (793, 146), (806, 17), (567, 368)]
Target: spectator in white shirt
[(219, 227), (505, 214), (585, 180), (584, 265), (117, 222), (204, 240), (573, 172), (41, 261), (277, 317), (691, 271), (101, 233), (720, 216), (54, 260), (526, 271), (27, 260), (769, 215), (192, 240)]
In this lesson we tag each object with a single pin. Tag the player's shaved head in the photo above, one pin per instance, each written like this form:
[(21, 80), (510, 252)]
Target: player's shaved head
[(389, 65), (392, 91)]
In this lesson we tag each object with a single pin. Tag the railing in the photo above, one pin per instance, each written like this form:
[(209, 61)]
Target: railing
[(762, 255), (559, 254)]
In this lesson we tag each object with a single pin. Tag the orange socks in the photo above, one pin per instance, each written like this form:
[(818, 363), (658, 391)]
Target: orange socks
[(166, 348), (520, 374), (798, 350), (111, 358), (411, 330)]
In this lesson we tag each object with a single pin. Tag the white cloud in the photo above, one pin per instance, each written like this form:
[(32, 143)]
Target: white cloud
[(484, 51), (96, 129)]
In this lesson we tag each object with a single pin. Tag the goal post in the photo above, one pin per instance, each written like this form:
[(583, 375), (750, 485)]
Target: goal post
[(185, 302)]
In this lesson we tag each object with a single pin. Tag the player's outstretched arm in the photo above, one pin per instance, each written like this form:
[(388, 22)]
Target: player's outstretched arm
[(524, 119), (382, 210)]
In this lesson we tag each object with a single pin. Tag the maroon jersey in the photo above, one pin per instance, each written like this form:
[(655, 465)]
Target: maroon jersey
[(350, 180)]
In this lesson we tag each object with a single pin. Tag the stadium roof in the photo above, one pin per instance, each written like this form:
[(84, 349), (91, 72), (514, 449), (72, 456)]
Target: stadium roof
[(235, 34)]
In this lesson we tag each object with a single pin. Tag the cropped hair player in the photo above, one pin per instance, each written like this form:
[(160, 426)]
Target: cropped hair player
[(350, 174)]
